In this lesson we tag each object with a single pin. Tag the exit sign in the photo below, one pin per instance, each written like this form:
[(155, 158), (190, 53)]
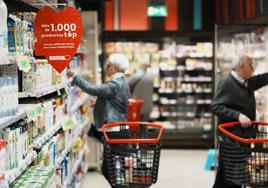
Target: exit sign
[(157, 11)]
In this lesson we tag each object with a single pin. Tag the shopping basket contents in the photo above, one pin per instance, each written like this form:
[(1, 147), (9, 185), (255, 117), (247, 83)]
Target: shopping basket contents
[(133, 161), (244, 153), (134, 109)]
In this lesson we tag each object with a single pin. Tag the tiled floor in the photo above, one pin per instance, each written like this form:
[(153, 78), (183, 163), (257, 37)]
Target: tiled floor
[(178, 169)]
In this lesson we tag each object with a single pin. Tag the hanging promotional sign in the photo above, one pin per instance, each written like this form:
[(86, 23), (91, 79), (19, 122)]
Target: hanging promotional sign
[(58, 35)]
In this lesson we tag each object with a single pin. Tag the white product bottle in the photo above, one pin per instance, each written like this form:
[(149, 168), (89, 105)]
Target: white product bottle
[(1, 98), (15, 94), (4, 95), (3, 29), (10, 96)]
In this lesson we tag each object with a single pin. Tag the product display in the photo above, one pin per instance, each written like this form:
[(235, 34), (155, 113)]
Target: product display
[(39, 78), (183, 76), (20, 33), (3, 30), (37, 177), (186, 87), (43, 141), (8, 96)]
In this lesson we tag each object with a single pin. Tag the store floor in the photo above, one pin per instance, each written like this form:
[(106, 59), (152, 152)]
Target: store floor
[(178, 168)]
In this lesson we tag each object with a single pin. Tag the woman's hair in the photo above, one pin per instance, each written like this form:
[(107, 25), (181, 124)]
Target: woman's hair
[(120, 61)]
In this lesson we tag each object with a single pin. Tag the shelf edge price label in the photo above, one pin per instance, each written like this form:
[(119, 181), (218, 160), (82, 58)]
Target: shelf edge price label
[(77, 145), (67, 123), (23, 63), (39, 109), (58, 35), (31, 113)]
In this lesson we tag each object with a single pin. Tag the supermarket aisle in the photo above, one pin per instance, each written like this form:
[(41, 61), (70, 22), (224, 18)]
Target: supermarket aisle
[(178, 168)]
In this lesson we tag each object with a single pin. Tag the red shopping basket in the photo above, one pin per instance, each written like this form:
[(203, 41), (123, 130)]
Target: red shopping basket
[(244, 153), (132, 158), (134, 109)]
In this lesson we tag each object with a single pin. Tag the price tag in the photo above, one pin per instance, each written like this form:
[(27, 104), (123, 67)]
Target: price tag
[(23, 63), (77, 144), (31, 113), (67, 123), (58, 89)]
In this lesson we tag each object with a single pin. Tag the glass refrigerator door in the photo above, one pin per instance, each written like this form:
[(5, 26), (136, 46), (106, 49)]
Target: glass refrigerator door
[(234, 40)]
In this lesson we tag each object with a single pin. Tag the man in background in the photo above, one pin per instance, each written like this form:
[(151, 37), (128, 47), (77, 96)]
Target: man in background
[(235, 101), (141, 87)]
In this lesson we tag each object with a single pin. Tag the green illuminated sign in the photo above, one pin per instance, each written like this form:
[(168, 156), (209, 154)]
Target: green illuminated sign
[(157, 11)]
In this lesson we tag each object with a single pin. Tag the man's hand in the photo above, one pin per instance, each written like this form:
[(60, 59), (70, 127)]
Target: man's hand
[(244, 120), (92, 103)]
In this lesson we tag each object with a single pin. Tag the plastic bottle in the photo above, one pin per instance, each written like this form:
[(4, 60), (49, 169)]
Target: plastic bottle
[(4, 94), (1, 98), (9, 96), (16, 94), (3, 29)]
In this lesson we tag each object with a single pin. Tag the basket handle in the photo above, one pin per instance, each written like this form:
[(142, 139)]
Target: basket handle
[(131, 140), (238, 138)]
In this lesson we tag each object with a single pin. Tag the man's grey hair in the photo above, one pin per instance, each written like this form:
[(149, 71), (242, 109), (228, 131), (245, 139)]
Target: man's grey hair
[(119, 60), (238, 61)]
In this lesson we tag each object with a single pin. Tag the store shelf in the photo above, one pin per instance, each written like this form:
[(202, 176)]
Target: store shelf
[(249, 24), (30, 5), (77, 131), (187, 69), (38, 143), (7, 121), (43, 92), (202, 101), (79, 103), (117, 35), (198, 69), (195, 57), (169, 78), (187, 79), (8, 60), (197, 79), (188, 91), (41, 3), (61, 158), (15, 173), (166, 91), (75, 167)]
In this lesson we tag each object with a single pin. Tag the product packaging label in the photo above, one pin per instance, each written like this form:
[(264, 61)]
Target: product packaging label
[(23, 63), (67, 123)]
